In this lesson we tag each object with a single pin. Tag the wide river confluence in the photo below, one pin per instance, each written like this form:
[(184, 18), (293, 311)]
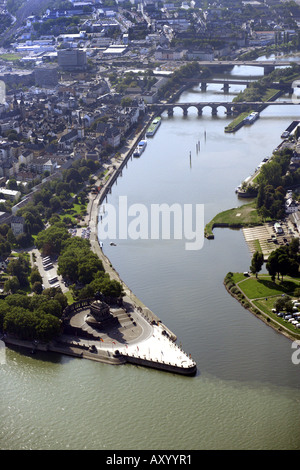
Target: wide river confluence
[(246, 394)]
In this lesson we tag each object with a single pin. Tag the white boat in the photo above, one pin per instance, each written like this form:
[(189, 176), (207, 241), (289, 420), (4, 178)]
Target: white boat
[(251, 118), (142, 145), (136, 153)]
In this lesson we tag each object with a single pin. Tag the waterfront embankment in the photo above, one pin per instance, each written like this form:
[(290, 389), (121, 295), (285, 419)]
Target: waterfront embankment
[(183, 364), (258, 296)]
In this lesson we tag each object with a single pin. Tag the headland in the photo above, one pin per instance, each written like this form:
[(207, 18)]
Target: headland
[(132, 334)]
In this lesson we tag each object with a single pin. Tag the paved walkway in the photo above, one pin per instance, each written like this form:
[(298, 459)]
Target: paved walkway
[(145, 340), (260, 236)]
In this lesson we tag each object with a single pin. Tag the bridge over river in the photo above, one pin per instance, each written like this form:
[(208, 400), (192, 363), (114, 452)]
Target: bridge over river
[(230, 106), (268, 65), (286, 87)]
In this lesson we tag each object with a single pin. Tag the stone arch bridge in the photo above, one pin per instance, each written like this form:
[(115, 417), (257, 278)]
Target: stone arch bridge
[(230, 107)]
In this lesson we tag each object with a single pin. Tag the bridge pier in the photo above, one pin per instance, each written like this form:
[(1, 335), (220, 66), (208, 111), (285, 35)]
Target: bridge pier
[(268, 69), (185, 111), (170, 112), (203, 86), (226, 87), (214, 111), (199, 111)]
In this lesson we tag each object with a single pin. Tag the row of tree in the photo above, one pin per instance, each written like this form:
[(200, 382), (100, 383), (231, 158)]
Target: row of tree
[(283, 261), (271, 183)]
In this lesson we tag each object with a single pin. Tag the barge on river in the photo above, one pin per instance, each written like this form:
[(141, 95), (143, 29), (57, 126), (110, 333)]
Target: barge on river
[(251, 118), (153, 127)]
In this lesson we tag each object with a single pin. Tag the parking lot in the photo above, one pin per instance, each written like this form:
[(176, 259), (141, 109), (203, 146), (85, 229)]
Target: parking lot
[(83, 232), (47, 267), (267, 239)]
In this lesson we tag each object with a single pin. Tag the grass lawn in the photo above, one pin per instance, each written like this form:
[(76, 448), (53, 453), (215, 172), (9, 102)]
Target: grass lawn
[(75, 212), (266, 292), (69, 296), (231, 127), (264, 287), (10, 56), (246, 215)]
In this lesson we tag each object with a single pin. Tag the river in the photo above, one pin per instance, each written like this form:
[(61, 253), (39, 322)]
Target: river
[(246, 394)]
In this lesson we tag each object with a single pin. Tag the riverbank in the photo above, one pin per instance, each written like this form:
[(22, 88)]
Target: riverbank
[(240, 121), (259, 298)]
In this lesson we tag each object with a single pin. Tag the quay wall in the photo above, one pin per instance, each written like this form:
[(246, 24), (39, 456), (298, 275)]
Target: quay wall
[(144, 311), (138, 361), (107, 187), (104, 356)]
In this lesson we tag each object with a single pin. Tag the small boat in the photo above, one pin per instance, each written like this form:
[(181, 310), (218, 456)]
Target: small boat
[(142, 145), (136, 153), (285, 134)]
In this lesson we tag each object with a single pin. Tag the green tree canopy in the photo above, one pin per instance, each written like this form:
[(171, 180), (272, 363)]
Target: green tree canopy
[(257, 262)]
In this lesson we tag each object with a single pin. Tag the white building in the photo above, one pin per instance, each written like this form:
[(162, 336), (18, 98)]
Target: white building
[(291, 206)]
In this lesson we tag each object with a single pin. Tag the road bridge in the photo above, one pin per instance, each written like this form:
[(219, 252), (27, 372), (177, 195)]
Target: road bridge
[(287, 87), (268, 65), (230, 106)]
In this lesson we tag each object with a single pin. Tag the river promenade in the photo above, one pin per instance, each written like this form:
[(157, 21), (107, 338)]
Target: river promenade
[(138, 336), (155, 346)]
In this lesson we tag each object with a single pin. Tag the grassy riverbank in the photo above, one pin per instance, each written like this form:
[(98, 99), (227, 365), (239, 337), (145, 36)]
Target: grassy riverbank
[(270, 95), (236, 123), (259, 295), (238, 217)]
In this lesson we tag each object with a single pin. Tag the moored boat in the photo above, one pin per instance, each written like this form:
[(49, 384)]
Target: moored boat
[(142, 145), (251, 117), (153, 127)]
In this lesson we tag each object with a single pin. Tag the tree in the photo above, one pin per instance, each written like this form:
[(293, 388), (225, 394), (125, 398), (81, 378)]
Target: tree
[(272, 265), (297, 292), (283, 264), (257, 263), (35, 276), (20, 268), (282, 303), (37, 287), (12, 285), (283, 261), (50, 241)]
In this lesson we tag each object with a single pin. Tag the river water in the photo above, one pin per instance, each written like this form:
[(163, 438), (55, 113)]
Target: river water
[(246, 394)]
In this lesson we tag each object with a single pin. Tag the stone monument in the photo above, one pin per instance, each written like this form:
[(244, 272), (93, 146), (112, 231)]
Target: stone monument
[(99, 314)]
